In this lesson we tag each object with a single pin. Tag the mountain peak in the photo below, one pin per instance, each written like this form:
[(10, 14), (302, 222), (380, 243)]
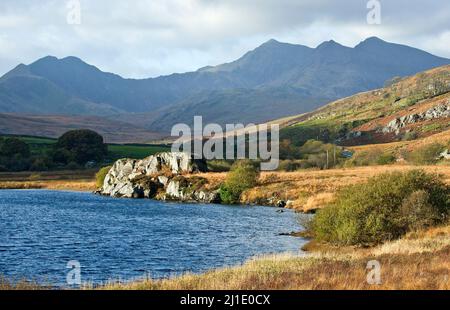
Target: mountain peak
[(372, 41), (271, 42), (329, 44)]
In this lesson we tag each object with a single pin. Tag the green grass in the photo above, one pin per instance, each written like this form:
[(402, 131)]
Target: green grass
[(39, 145), (134, 151)]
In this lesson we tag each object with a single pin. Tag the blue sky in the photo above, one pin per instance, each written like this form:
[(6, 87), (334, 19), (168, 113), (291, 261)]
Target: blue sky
[(147, 38)]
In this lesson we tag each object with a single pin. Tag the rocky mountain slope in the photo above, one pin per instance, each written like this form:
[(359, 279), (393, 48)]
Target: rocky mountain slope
[(406, 109), (274, 80)]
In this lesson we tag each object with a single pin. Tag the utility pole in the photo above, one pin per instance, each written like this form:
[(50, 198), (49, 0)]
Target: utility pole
[(334, 161)]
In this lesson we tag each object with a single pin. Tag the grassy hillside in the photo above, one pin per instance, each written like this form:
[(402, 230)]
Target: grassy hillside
[(360, 119), (118, 130)]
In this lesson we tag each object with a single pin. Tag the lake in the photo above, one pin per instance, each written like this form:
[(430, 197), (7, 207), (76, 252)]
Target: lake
[(118, 239)]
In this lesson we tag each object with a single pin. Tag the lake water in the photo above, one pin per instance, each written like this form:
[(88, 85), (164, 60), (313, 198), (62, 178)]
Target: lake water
[(118, 239)]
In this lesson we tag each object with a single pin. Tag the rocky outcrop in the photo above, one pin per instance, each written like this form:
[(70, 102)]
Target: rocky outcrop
[(440, 111), (160, 177), (190, 190), (445, 155)]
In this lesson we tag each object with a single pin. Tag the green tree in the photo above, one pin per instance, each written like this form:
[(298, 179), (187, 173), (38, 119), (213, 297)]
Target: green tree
[(80, 146), (14, 155), (243, 175), (14, 146)]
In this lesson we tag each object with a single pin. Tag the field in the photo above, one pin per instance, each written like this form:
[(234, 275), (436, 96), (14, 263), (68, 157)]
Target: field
[(40, 145), (117, 151)]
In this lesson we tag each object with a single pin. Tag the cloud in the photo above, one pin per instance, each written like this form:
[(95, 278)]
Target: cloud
[(145, 38)]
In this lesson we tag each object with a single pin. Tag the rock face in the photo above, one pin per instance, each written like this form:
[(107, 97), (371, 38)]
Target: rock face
[(158, 176), (445, 155), (440, 111)]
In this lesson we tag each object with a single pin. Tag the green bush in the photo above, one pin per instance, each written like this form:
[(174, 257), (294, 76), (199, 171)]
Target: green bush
[(371, 157), (426, 155), (416, 212), (386, 159), (243, 175), (410, 136), (289, 165), (383, 209), (219, 165), (100, 176)]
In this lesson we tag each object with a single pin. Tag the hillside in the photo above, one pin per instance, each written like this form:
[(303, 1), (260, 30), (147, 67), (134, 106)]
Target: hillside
[(55, 126), (274, 80), (407, 109)]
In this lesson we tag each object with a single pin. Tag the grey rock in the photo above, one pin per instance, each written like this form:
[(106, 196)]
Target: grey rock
[(445, 155), (146, 178), (437, 112)]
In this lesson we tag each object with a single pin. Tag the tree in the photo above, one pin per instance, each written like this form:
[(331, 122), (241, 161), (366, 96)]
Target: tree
[(243, 176), (80, 146), (12, 146), (14, 155)]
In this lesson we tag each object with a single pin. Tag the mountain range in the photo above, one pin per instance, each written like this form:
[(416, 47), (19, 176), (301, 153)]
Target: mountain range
[(272, 81)]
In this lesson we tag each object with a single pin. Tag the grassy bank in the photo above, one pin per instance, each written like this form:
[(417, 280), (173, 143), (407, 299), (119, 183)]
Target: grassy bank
[(417, 261), (307, 190), (74, 180)]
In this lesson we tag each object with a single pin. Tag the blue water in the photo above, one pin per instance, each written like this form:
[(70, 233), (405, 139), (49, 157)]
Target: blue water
[(118, 239)]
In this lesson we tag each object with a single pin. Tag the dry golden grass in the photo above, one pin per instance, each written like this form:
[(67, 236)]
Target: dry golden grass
[(6, 285), (311, 189), (418, 261), (75, 185), (397, 147)]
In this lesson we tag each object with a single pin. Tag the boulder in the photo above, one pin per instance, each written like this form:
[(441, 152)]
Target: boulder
[(158, 176), (184, 189)]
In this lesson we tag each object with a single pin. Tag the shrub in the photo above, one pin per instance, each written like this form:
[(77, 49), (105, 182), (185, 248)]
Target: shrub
[(416, 212), (386, 159), (100, 176), (219, 165), (410, 136), (40, 164), (73, 166), (371, 157), (428, 154), (243, 175), (289, 165), (385, 208)]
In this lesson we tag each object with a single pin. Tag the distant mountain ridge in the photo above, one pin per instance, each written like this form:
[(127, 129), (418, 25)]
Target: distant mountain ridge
[(274, 80)]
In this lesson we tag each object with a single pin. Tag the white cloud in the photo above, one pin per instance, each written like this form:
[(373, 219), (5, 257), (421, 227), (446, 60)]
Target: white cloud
[(145, 38)]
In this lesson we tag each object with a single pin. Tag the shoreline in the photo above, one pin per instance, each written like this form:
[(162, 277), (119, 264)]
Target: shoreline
[(421, 255), (304, 191), (78, 186)]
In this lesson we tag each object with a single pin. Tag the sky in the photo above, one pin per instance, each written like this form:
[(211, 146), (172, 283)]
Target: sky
[(148, 38)]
